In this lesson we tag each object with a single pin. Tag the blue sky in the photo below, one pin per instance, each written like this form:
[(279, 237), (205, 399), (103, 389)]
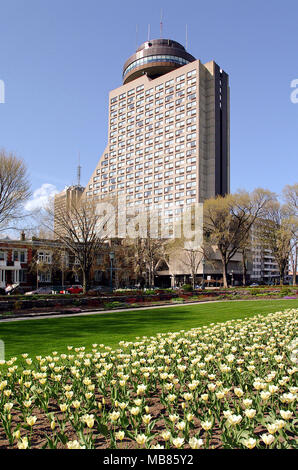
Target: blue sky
[(60, 58)]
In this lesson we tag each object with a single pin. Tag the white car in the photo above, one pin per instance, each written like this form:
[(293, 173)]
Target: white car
[(40, 291)]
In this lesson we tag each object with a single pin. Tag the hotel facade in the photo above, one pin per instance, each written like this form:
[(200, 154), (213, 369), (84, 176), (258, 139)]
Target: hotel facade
[(168, 141), (168, 131)]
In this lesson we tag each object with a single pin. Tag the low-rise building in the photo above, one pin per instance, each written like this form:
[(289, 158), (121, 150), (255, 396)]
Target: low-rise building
[(32, 262)]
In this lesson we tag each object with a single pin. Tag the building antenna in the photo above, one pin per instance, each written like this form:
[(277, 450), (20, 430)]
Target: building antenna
[(79, 172), (186, 36), (161, 25), (148, 32)]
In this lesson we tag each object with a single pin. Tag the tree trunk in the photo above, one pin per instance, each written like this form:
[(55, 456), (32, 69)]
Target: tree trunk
[(282, 273), (225, 273), (152, 275), (244, 268), (193, 280), (84, 282)]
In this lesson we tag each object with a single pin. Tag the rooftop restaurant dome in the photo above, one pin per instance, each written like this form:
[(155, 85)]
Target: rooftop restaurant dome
[(155, 58)]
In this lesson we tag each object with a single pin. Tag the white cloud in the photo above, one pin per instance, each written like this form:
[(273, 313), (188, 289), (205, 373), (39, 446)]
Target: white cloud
[(41, 197)]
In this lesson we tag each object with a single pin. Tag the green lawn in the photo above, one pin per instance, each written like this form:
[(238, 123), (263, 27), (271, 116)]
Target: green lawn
[(44, 336)]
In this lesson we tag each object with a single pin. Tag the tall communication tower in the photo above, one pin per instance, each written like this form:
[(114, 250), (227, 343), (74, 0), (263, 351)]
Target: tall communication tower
[(79, 172)]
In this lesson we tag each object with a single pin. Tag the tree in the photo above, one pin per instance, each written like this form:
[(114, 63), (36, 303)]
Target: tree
[(14, 188), (147, 252), (290, 196), (274, 233), (228, 221), (186, 249), (144, 235), (42, 264), (61, 262), (255, 204), (125, 265), (192, 258), (82, 231)]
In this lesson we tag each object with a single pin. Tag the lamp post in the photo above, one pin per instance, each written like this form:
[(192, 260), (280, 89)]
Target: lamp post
[(203, 281), (112, 257), (37, 263)]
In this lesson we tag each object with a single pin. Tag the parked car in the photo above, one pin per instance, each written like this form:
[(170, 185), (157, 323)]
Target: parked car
[(98, 290), (40, 291), (16, 290), (57, 289), (12, 289), (75, 289), (254, 284)]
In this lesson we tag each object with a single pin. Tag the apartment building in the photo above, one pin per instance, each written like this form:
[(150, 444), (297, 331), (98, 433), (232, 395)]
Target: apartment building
[(168, 134), (64, 201), (168, 131), (264, 266)]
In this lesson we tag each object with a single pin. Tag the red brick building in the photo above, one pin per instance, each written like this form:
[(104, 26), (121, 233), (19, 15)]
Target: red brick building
[(29, 262)]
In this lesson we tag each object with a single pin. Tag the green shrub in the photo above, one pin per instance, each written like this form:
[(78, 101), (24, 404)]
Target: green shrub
[(254, 291), (187, 288), (3, 314), (285, 291), (115, 304), (17, 305), (178, 300)]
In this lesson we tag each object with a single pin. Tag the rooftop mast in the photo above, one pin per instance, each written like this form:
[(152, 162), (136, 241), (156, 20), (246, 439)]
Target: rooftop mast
[(161, 25), (79, 172)]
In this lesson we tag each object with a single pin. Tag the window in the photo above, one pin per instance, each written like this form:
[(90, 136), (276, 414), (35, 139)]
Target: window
[(23, 276), (170, 82), (190, 74), (44, 277), (98, 276), (155, 58), (99, 258), (45, 257), (2, 256), (180, 79)]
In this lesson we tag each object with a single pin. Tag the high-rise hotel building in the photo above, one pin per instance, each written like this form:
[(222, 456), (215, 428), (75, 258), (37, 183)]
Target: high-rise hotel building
[(169, 131)]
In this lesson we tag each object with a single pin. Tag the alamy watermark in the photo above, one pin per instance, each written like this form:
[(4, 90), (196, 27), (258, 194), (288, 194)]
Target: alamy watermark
[(2, 350), (159, 222), (2, 92), (294, 94)]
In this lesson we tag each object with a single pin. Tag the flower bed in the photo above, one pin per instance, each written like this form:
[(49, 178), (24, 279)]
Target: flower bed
[(230, 385)]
